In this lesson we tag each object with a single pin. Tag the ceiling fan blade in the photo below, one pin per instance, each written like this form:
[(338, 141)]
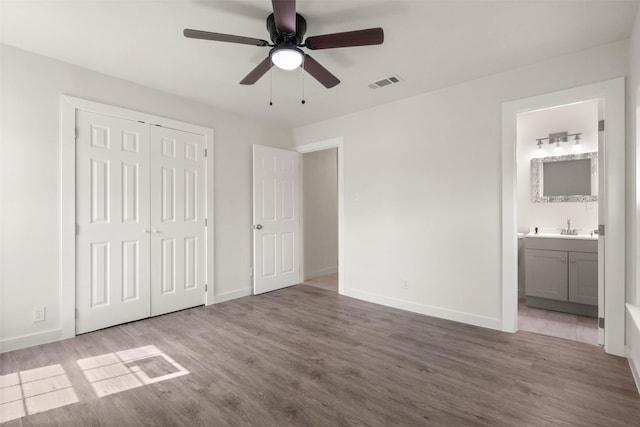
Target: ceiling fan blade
[(366, 37), (257, 72), (206, 35), (284, 13), (318, 72)]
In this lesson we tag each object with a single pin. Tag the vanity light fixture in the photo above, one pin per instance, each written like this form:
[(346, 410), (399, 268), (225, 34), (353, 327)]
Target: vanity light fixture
[(557, 138), (577, 145)]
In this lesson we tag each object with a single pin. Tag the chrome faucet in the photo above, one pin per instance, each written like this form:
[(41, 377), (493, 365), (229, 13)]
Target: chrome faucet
[(569, 230)]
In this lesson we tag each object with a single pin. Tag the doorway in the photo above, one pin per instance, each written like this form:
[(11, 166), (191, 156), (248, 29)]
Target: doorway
[(557, 220), (325, 278), (320, 218), (611, 202)]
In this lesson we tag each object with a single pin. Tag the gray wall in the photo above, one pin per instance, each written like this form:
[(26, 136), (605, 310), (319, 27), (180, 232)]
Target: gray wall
[(422, 180), (31, 86), (320, 208)]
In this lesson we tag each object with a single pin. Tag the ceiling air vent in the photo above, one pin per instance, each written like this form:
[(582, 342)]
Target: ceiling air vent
[(385, 82)]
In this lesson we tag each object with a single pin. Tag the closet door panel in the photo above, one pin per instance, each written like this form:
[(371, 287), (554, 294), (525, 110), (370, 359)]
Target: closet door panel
[(178, 198), (112, 215)]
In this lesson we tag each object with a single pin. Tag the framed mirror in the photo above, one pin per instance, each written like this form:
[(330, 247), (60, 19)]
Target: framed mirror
[(569, 178)]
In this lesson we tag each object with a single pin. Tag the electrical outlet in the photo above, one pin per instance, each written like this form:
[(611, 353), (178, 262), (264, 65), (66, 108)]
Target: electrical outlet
[(39, 314), (404, 284)]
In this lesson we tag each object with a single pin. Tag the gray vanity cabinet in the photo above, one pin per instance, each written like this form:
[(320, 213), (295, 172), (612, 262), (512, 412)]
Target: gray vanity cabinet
[(562, 274), (583, 278), (546, 274)]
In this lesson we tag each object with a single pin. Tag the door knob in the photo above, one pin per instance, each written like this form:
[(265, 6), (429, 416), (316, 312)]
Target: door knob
[(146, 230), (257, 227)]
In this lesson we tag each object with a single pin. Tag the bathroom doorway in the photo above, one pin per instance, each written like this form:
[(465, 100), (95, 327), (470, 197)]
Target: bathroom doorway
[(557, 220), (611, 205), (322, 215)]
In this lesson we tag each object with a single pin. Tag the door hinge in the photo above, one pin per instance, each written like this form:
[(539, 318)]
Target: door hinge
[(600, 125), (76, 313), (77, 229), (205, 152), (77, 133), (601, 322), (206, 222), (601, 230), (206, 287)]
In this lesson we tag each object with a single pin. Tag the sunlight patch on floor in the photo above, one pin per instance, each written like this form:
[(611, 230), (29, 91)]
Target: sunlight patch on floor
[(37, 390), (123, 370), (33, 391)]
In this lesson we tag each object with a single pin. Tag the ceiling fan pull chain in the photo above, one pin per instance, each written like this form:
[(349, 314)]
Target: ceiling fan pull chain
[(271, 86), (303, 101)]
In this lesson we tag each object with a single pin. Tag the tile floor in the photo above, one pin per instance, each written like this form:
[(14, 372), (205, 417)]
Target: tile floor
[(328, 282), (556, 324)]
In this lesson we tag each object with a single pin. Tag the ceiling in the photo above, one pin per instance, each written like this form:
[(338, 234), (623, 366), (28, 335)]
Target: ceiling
[(429, 44)]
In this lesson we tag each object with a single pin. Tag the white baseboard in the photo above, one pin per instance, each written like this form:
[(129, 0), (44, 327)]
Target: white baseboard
[(634, 368), (24, 341), (457, 316), (313, 274), (227, 296)]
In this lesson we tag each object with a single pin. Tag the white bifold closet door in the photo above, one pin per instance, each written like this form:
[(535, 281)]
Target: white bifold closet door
[(140, 211), (177, 220)]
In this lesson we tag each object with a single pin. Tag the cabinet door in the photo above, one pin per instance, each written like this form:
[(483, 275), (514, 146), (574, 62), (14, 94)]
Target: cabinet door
[(583, 278), (546, 274)]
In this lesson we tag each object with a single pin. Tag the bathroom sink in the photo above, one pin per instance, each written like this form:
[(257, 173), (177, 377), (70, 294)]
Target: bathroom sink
[(563, 236)]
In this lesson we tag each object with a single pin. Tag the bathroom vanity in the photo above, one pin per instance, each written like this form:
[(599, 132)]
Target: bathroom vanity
[(561, 272)]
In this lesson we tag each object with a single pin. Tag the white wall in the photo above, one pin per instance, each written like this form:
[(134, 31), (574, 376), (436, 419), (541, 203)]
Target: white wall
[(581, 117), (31, 86), (320, 210), (633, 159), (633, 193), (422, 187)]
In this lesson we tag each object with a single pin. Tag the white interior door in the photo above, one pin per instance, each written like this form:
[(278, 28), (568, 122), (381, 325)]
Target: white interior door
[(178, 206), (112, 215), (276, 218)]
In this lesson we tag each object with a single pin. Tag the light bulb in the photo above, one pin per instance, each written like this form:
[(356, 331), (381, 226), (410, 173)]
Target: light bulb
[(577, 145), (558, 148), (286, 58)]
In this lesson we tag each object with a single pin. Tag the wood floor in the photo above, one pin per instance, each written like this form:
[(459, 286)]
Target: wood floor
[(304, 356)]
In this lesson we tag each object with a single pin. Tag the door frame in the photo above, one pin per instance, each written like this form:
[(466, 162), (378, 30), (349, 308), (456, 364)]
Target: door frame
[(338, 143), (68, 107), (612, 93)]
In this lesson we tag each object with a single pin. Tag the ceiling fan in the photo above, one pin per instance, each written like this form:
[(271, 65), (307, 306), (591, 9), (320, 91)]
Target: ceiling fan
[(286, 29)]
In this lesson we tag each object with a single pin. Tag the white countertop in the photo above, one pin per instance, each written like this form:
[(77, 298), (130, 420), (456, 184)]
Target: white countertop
[(542, 235)]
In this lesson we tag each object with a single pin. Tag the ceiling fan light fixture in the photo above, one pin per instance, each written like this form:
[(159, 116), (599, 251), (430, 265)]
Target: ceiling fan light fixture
[(287, 57)]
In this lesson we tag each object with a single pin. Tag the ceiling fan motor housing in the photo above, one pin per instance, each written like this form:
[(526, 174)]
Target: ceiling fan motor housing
[(280, 38)]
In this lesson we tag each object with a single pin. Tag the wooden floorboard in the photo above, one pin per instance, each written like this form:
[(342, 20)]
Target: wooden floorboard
[(307, 356)]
